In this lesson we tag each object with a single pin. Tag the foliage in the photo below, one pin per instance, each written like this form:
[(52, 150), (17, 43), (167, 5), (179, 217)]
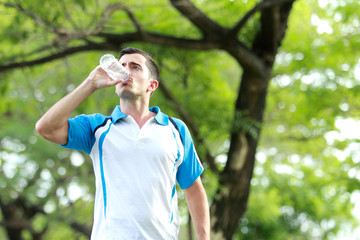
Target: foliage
[(301, 170), (303, 180)]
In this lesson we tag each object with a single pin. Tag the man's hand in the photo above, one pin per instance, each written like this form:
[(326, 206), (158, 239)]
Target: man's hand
[(98, 79)]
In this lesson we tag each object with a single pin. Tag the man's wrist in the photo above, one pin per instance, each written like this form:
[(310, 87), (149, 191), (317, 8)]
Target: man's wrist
[(89, 85)]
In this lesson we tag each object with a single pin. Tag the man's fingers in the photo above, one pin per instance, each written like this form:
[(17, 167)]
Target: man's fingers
[(114, 82)]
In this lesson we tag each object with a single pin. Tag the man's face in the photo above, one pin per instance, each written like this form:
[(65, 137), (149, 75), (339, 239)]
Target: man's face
[(139, 83)]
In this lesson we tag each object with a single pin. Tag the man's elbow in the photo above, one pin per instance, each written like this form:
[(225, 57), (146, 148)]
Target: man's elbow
[(40, 128), (58, 136)]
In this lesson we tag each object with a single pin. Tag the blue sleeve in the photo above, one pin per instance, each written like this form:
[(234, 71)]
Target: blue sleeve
[(190, 168), (80, 135)]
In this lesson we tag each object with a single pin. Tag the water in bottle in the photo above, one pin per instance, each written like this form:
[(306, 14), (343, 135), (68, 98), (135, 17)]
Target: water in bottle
[(113, 68)]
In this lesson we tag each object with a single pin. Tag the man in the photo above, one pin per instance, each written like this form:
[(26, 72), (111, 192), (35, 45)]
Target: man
[(138, 155)]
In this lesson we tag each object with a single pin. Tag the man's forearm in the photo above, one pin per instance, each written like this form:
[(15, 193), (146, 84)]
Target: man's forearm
[(199, 209), (53, 124)]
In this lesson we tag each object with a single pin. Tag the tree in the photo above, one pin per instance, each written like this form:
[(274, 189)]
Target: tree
[(252, 38), (307, 176)]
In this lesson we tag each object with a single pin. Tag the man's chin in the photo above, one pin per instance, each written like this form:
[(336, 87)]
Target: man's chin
[(125, 95)]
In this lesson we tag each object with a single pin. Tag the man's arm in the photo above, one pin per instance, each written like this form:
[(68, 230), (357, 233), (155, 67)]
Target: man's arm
[(199, 209), (53, 125)]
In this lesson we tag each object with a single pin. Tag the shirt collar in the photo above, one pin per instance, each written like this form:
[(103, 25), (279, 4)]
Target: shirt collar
[(117, 114), (160, 117)]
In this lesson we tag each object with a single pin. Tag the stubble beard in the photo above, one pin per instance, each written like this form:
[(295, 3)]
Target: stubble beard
[(126, 95)]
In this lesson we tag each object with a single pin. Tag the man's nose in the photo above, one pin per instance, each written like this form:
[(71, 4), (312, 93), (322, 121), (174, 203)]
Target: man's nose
[(126, 66)]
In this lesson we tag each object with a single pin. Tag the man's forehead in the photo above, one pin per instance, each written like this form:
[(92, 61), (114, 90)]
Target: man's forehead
[(134, 57)]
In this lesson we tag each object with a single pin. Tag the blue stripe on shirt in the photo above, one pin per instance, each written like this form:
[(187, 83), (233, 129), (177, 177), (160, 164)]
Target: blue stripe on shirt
[(101, 141)]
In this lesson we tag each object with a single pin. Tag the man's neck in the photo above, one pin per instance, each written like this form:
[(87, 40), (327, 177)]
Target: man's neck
[(139, 111)]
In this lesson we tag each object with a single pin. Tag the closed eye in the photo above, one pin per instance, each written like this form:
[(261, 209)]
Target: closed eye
[(136, 67), (133, 66)]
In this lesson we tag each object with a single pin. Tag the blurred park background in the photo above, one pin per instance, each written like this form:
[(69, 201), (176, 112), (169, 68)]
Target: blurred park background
[(269, 89)]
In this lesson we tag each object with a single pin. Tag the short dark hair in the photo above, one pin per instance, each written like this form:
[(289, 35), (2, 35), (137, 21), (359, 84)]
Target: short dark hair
[(150, 63)]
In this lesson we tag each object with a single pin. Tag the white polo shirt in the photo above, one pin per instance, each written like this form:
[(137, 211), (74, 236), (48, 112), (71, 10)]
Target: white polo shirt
[(136, 171)]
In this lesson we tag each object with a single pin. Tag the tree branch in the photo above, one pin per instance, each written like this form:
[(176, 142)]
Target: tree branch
[(58, 55), (134, 20), (273, 27), (181, 42), (110, 10), (247, 59), (113, 42), (29, 54), (264, 4), (68, 14), (206, 25), (86, 230), (214, 40), (81, 228), (38, 20), (2, 206), (17, 224)]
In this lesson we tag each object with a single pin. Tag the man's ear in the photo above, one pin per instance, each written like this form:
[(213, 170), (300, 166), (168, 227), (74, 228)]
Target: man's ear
[(153, 85)]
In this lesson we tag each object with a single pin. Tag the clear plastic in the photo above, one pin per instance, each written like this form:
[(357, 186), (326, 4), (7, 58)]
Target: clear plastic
[(113, 68)]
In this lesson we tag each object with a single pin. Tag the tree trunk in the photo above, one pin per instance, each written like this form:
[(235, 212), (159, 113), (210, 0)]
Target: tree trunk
[(230, 201), (12, 224)]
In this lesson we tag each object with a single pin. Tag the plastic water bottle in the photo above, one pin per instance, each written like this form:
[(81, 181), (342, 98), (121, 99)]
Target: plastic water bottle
[(113, 68)]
